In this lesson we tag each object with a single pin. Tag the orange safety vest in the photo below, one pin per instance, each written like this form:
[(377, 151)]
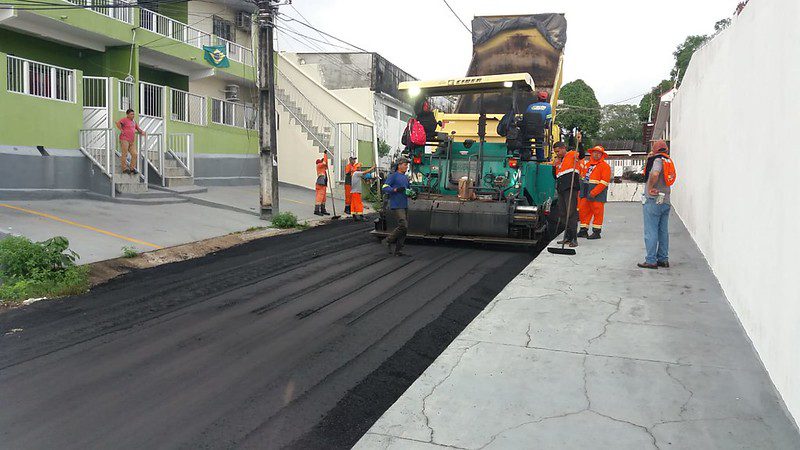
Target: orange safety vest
[(596, 180), (569, 164)]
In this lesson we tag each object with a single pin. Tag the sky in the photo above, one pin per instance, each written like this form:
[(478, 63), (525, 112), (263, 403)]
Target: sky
[(621, 48)]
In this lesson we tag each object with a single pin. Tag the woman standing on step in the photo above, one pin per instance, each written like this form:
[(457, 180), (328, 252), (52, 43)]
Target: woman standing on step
[(127, 141)]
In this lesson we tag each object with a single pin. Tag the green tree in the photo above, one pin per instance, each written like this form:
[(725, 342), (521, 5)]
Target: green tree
[(648, 100), (383, 148), (620, 122), (581, 108), (683, 55)]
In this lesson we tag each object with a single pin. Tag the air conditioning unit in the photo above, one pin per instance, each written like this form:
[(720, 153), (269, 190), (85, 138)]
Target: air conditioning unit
[(243, 20), (232, 92)]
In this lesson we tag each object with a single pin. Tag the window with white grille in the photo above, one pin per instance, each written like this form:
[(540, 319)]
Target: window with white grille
[(40, 80)]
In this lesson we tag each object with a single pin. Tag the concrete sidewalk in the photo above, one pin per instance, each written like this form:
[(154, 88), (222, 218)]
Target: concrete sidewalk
[(98, 229), (590, 351)]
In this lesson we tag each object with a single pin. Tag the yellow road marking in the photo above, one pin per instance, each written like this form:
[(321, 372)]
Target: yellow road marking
[(80, 225)]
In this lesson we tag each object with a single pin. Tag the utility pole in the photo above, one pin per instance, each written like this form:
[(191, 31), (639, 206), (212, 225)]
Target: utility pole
[(267, 132)]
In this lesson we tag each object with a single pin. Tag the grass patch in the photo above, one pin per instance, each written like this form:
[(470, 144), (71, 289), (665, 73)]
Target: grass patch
[(39, 269), (255, 229), (303, 226), (129, 252), (284, 220)]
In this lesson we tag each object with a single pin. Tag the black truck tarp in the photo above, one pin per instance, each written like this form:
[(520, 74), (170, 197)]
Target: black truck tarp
[(512, 44)]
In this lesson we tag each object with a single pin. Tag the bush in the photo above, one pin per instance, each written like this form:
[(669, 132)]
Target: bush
[(633, 176), (284, 220), (39, 269), (129, 252)]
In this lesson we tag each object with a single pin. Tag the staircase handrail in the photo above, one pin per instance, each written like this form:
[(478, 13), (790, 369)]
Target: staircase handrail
[(328, 147), (309, 103)]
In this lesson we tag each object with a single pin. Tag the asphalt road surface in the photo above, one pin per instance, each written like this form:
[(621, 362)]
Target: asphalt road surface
[(299, 341)]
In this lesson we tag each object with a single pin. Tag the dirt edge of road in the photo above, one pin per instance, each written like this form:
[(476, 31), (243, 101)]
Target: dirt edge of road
[(103, 271)]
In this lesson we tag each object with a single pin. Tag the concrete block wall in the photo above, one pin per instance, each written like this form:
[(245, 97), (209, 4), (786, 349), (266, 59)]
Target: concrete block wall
[(733, 141)]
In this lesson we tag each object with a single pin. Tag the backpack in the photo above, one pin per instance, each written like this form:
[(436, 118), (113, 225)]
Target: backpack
[(670, 174), (669, 170), (414, 133)]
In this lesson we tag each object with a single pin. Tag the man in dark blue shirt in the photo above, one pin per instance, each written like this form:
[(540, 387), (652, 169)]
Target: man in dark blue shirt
[(542, 107), (396, 188)]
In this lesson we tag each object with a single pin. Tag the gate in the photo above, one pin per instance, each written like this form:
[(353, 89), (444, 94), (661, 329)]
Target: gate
[(96, 100)]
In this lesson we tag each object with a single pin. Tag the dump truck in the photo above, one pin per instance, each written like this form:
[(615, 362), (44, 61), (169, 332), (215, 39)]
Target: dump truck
[(471, 183)]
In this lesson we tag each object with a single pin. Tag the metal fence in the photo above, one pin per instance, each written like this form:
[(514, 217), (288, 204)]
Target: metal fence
[(181, 146), (97, 145), (95, 92), (112, 8), (234, 114), (126, 92), (188, 107), (40, 80), (151, 100), (179, 31)]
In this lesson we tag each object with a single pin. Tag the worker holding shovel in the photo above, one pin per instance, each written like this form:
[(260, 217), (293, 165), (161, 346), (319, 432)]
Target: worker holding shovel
[(321, 187)]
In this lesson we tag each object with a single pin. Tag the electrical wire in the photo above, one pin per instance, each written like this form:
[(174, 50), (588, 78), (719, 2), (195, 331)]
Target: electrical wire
[(292, 19), (457, 17), (307, 21)]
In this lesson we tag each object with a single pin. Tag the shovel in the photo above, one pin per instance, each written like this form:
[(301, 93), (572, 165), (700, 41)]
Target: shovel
[(330, 188)]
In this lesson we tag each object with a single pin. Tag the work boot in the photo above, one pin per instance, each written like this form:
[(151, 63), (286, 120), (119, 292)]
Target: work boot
[(595, 234), (663, 264), (347, 209), (646, 265), (323, 211), (317, 211), (583, 233)]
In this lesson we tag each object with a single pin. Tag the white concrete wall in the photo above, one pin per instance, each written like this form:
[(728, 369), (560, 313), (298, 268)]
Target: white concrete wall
[(296, 154), (734, 144), (214, 87)]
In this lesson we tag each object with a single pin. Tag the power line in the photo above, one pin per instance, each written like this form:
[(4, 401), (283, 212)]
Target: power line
[(457, 17), (324, 55), (292, 19), (307, 21)]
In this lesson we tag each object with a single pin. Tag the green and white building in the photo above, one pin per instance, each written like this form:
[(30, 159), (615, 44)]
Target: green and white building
[(68, 73)]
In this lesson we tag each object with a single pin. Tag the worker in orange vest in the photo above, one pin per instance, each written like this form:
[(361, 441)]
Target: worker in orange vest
[(321, 186), (348, 183), (567, 174), (594, 191)]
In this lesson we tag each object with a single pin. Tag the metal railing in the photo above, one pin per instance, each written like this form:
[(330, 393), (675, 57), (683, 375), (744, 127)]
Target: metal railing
[(151, 99), (188, 107), (126, 92), (111, 8), (95, 92), (151, 152), (305, 111), (40, 80), (181, 147), (97, 145), (179, 31), (234, 114)]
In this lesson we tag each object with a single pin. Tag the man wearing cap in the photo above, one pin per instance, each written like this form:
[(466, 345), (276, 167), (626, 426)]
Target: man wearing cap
[(348, 183), (396, 189), (567, 173), (543, 108), (594, 192), (656, 207)]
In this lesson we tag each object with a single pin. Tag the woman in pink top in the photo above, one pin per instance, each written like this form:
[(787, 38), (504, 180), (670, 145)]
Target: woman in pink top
[(127, 141)]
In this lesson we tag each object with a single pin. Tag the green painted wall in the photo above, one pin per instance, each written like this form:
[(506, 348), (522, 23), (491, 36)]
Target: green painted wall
[(87, 19), (366, 156), (39, 121), (178, 11), (164, 78), (218, 138)]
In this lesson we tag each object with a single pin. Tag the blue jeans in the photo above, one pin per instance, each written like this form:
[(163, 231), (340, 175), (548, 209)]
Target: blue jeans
[(656, 234)]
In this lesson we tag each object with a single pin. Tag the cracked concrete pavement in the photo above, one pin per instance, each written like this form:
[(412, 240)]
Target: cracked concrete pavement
[(589, 351)]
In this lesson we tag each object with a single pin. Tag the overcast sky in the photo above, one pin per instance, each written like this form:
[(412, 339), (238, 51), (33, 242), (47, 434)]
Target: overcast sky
[(620, 47)]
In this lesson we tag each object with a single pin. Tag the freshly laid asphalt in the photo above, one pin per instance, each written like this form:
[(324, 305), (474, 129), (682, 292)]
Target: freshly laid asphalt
[(298, 341)]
